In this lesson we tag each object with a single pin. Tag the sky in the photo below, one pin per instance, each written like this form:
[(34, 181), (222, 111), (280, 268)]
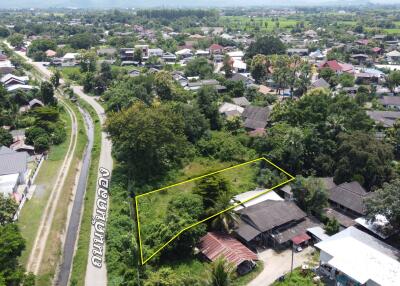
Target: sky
[(174, 3)]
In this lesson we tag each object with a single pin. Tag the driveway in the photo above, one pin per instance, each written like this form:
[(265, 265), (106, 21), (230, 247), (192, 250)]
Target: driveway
[(276, 264)]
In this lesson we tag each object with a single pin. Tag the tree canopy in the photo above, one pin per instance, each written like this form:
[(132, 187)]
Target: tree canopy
[(151, 140)]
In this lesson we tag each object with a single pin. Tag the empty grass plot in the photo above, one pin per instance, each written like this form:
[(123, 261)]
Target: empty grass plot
[(173, 218)]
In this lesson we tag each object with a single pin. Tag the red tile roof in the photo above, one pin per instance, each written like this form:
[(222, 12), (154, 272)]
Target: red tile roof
[(376, 50), (215, 245), (300, 238), (334, 65), (215, 47)]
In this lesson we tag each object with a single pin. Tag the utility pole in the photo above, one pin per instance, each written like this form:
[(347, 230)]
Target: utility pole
[(291, 267)]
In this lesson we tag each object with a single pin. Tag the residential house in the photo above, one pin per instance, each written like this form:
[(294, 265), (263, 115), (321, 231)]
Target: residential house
[(69, 60), (12, 162), (209, 82), (169, 57), (107, 52), (393, 57), (337, 67), (6, 66), (320, 83), (390, 102), (126, 54), (215, 49), (184, 53), (10, 79), (255, 117), (241, 101), (278, 224), (230, 110), (216, 245), (352, 257), (254, 197), (384, 118), (240, 77), (349, 198), (144, 49), (50, 53), (157, 52), (16, 87), (360, 59), (299, 52)]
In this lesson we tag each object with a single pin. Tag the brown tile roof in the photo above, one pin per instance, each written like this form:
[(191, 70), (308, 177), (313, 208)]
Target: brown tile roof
[(215, 245)]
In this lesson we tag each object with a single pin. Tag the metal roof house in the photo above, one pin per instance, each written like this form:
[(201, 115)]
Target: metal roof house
[(215, 245)]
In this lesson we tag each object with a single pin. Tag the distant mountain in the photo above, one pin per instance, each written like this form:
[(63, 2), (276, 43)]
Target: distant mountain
[(178, 3)]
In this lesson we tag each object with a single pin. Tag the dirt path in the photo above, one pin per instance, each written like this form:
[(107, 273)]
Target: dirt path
[(36, 255), (39, 244)]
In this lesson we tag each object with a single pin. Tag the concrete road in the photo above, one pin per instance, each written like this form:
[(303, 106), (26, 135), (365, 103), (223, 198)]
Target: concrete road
[(277, 264), (94, 275)]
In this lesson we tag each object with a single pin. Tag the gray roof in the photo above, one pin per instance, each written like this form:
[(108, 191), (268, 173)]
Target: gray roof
[(390, 100), (35, 101), (265, 216), (12, 162), (241, 101), (387, 118), (320, 83), (108, 51), (203, 82), (255, 117), (350, 195), (289, 233), (5, 150), (240, 77)]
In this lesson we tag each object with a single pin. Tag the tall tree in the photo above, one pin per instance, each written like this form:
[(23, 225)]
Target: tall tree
[(11, 246), (227, 66), (138, 55), (47, 93), (259, 67), (386, 201), (311, 195), (8, 208), (363, 158), (150, 140), (5, 137), (267, 45), (207, 101), (211, 189)]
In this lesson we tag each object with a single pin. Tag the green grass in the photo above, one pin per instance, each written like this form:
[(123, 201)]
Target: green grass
[(241, 179), (53, 249), (244, 23), (200, 270), (299, 277), (31, 213), (82, 250), (71, 73)]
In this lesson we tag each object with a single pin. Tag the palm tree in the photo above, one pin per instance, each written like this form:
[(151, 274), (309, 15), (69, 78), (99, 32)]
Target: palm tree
[(226, 220), (220, 273)]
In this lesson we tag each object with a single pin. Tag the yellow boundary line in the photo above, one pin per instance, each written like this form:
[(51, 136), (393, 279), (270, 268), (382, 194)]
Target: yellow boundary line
[(210, 217)]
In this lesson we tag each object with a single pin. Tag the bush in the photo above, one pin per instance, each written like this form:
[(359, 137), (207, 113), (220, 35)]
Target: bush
[(41, 143), (33, 133)]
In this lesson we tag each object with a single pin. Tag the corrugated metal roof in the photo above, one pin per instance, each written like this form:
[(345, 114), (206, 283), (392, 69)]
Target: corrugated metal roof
[(12, 163), (215, 245)]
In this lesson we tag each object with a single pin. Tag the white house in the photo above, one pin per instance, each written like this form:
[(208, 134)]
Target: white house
[(69, 60), (352, 257)]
